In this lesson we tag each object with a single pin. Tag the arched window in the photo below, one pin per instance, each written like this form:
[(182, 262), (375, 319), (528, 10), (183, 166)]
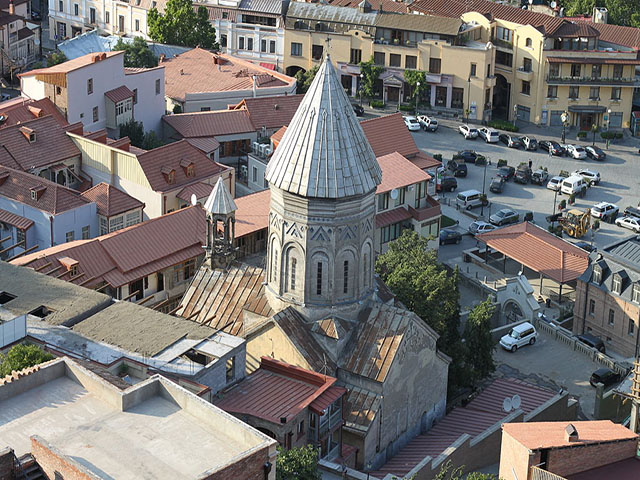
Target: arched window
[(274, 263), (345, 281), (529, 43), (292, 274), (319, 279), (367, 269)]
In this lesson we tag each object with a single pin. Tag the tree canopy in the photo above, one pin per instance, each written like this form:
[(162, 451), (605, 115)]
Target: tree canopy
[(137, 53), (135, 131), (55, 58), (297, 464), (447, 472), (304, 79), (22, 356), (621, 12), (479, 345), (412, 77), (182, 25), (370, 73)]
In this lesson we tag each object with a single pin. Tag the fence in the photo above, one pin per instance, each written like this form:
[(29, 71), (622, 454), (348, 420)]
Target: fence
[(539, 474)]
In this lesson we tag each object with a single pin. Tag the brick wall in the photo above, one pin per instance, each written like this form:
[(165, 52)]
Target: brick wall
[(56, 465), (514, 459), (6, 464), (248, 468), (569, 461)]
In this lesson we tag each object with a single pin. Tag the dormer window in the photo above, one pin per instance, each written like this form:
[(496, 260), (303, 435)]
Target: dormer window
[(36, 192), (617, 284), (188, 167), (169, 174), (28, 133), (597, 274), (635, 295)]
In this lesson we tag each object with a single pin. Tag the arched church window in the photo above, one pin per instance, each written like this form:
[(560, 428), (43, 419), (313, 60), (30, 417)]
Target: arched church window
[(292, 275), (345, 281), (274, 265), (319, 279)]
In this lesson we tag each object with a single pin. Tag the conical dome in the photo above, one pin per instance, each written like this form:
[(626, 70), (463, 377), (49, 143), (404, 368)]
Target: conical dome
[(220, 201), (324, 152)]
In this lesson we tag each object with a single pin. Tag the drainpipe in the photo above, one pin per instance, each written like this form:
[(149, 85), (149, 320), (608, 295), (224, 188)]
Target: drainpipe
[(51, 228), (584, 307), (255, 87)]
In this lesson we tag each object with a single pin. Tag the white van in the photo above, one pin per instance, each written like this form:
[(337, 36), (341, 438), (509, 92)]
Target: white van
[(575, 184), (519, 336), (469, 199)]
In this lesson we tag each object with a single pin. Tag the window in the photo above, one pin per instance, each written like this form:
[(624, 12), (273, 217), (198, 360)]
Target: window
[(107, 17), (504, 34), (157, 86), (528, 43), (434, 65), (635, 295), (75, 9), (395, 60), (121, 23), (617, 284), (411, 61), (240, 43), (457, 97), (61, 6), (272, 46), (300, 428), (612, 316), (474, 68), (378, 58), (526, 88), (69, 236), (504, 58), (263, 46), (594, 93), (596, 71), (617, 71), (104, 227), (575, 70), (574, 92), (274, 266), (296, 49), (597, 274), (400, 199), (356, 56), (250, 44), (554, 70), (95, 114), (223, 40), (205, 109), (489, 70), (615, 93), (132, 218), (86, 232), (254, 174), (184, 271), (319, 279), (527, 65), (383, 201), (345, 277), (316, 52), (20, 239), (92, 15), (632, 327), (135, 96), (592, 307), (552, 91), (231, 369), (90, 86), (137, 25), (294, 265)]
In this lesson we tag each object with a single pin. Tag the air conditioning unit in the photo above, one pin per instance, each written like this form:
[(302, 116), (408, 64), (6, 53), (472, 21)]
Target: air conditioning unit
[(256, 146), (267, 151), (263, 147)]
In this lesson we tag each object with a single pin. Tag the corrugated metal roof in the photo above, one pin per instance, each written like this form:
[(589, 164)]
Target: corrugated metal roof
[(275, 7), (362, 408), (206, 145), (110, 200), (326, 398), (211, 124), (119, 94), (420, 23), (330, 13), (200, 190), (21, 223)]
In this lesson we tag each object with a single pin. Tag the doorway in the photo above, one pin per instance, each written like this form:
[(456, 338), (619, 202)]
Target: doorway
[(501, 96), (586, 120), (393, 95)]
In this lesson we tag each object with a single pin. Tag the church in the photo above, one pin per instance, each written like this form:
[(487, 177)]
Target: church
[(315, 301)]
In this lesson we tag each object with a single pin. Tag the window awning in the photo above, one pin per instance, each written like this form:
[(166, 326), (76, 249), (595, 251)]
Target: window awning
[(21, 223), (587, 109)]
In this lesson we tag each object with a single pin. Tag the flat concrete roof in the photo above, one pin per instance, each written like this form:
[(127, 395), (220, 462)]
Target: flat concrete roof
[(153, 430)]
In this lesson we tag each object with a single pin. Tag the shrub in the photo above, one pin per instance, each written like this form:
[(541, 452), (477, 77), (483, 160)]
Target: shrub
[(502, 163), (177, 109), (406, 108), (607, 135), (438, 156), (481, 160), (582, 134), (563, 204), (376, 104), (503, 125), (618, 136), (564, 173)]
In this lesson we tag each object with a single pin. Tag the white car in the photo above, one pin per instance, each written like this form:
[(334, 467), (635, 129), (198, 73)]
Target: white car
[(412, 123), (428, 123), (576, 151), (590, 176), (632, 223), (605, 210), (519, 336), (467, 132), (555, 183), (489, 135), (478, 227)]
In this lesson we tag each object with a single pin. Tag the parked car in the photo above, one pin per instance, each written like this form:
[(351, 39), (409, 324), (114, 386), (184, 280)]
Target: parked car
[(604, 375), (632, 211), (529, 143), (510, 141), (489, 135), (448, 184), (468, 132), (585, 246), (519, 336), (555, 183), (412, 123), (523, 175), (632, 223), (539, 177), (577, 152), (595, 153), (449, 235), (590, 176), (478, 227), (592, 341), (504, 217), (506, 172), (471, 198), (605, 211), (358, 109), (497, 185), (555, 148), (574, 185), (468, 156), (458, 169), (428, 123)]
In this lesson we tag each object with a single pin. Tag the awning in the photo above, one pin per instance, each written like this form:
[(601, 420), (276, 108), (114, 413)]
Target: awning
[(392, 216), (587, 109), (270, 66), (119, 94), (21, 223), (326, 398)]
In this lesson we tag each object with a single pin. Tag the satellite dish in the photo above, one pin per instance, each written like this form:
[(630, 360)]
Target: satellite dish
[(553, 4), (516, 401), (394, 193), (194, 199), (506, 405), (530, 2)]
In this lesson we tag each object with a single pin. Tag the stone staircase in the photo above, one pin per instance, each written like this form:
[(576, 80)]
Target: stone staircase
[(28, 469)]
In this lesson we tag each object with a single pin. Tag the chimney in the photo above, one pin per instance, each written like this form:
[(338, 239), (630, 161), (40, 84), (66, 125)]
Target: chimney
[(12, 8), (255, 87), (570, 433), (162, 57), (181, 72)]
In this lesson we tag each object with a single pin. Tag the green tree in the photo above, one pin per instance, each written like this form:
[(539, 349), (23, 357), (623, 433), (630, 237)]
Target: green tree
[(22, 356), (412, 77), (297, 464), (137, 53), (134, 130), (370, 73), (304, 79), (182, 25), (447, 472), (621, 12), (151, 141), (55, 58), (478, 342)]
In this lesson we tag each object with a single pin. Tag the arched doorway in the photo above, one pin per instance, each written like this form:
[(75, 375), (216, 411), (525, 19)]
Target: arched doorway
[(293, 69), (501, 96), (512, 311)]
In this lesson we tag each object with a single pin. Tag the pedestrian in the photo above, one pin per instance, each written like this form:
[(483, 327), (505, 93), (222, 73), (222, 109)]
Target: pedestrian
[(530, 164), (549, 151)]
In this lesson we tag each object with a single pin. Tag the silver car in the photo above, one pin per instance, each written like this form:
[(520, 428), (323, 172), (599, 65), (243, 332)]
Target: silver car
[(555, 183), (479, 227)]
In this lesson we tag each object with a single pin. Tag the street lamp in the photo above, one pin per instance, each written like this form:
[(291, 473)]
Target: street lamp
[(468, 110), (360, 88), (484, 181), (594, 129), (565, 119), (515, 114), (608, 118), (417, 95)]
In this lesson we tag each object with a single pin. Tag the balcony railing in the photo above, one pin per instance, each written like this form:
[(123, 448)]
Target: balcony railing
[(430, 210), (498, 42), (557, 80), (540, 474)]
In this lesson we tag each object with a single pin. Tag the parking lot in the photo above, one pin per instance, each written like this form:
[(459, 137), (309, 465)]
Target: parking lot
[(620, 173)]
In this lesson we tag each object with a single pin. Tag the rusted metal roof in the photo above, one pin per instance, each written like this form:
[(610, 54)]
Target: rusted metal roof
[(398, 172), (21, 223), (110, 200), (539, 250), (481, 413), (362, 408), (119, 94), (392, 216)]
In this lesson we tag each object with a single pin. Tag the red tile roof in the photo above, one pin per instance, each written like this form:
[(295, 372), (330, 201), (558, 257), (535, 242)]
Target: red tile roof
[(252, 213), (277, 390), (616, 34), (51, 74), (277, 137), (539, 250), (52, 144), (596, 60), (384, 5), (398, 172), (200, 190), (54, 198), (425, 162), (21, 223), (538, 435), (389, 134), (198, 71), (169, 157), (119, 94), (129, 254), (210, 124), (392, 216), (21, 109), (110, 200), (575, 30), (481, 413), (270, 112)]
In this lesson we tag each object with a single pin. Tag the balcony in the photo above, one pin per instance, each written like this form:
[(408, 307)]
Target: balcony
[(396, 43), (523, 74), (601, 81), (430, 210), (498, 42)]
